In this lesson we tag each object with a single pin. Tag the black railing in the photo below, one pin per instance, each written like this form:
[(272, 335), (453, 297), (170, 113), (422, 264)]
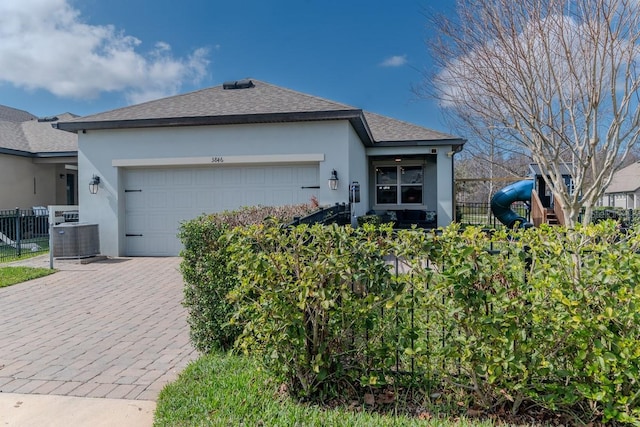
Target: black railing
[(23, 231), (336, 214), (626, 217), (480, 214)]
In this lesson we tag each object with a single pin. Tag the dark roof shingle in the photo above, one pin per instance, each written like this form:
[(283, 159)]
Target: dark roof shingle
[(262, 103), (8, 114), (33, 137), (263, 98)]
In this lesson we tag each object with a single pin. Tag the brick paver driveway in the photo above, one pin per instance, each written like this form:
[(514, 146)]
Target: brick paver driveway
[(114, 329)]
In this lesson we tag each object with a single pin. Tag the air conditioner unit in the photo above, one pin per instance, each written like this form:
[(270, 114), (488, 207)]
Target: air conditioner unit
[(75, 240)]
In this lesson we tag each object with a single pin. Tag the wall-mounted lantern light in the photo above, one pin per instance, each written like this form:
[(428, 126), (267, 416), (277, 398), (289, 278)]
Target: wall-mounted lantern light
[(93, 184), (333, 181)]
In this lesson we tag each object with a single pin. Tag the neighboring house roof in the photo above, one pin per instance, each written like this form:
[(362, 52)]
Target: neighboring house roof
[(535, 169), (626, 180), (8, 114), (23, 134), (257, 102)]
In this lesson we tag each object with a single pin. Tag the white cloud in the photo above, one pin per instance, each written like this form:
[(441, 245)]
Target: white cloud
[(46, 45), (394, 61)]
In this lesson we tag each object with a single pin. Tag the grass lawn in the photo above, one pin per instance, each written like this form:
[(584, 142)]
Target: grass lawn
[(226, 390), (8, 253), (12, 275)]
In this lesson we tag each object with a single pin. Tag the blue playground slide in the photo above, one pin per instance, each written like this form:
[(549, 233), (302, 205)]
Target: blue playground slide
[(502, 200)]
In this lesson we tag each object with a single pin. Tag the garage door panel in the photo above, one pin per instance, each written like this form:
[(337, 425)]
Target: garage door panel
[(182, 177), (231, 176), (283, 175), (135, 222), (307, 175), (255, 176), (255, 197), (231, 199), (134, 201), (283, 197), (170, 196), (183, 199), (158, 222), (207, 198), (204, 177), (156, 199), (157, 245)]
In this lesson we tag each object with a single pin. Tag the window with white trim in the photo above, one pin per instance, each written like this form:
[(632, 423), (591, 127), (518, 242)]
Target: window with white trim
[(399, 184)]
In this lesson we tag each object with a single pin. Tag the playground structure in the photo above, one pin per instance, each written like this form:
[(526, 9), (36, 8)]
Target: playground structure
[(545, 209), (501, 203)]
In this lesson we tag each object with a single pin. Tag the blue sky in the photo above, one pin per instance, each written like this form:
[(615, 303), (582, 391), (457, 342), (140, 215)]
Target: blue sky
[(88, 56)]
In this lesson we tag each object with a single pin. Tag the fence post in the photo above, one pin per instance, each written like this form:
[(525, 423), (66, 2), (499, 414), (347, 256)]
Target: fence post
[(18, 233), (528, 262)]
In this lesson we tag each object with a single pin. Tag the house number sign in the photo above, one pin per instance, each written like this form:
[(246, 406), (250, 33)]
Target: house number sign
[(217, 160)]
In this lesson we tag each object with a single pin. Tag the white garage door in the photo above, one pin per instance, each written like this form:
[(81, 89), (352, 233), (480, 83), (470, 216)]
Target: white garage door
[(157, 200)]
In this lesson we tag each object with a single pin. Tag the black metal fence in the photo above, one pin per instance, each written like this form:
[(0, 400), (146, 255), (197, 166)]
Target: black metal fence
[(480, 214), (336, 214), (23, 231), (626, 217)]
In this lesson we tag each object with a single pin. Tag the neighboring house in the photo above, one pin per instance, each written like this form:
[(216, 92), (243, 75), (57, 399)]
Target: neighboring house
[(249, 143), (624, 189), (38, 164)]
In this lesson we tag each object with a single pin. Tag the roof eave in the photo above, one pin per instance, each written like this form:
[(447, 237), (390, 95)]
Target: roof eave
[(80, 125), (455, 142), (355, 117), (40, 154), (12, 152), (49, 154)]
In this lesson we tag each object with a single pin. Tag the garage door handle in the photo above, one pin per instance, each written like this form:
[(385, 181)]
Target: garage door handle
[(133, 235), (313, 186)]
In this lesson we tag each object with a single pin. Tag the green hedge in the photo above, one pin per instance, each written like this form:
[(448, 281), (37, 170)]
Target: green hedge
[(544, 317), (208, 275), (311, 298)]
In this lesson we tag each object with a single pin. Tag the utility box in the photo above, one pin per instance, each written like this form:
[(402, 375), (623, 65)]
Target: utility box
[(75, 240)]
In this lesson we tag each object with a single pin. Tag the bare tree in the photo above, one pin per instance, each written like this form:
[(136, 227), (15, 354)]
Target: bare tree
[(558, 78), (493, 158)]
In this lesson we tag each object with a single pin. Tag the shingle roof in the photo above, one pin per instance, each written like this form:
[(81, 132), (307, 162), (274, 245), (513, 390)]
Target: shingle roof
[(44, 138), (626, 180), (261, 103), (263, 98), (8, 114), (32, 137), (386, 129)]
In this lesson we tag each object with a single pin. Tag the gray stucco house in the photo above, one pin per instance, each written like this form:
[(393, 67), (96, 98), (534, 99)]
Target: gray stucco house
[(249, 143), (38, 164), (624, 189)]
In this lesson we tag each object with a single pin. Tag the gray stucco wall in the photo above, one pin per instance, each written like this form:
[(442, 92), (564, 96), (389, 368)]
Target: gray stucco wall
[(98, 150)]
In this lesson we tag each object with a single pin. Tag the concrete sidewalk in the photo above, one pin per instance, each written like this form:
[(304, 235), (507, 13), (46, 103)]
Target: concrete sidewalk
[(33, 410), (98, 339)]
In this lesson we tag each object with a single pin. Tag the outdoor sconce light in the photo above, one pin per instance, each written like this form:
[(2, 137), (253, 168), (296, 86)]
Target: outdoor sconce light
[(333, 181), (93, 184)]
